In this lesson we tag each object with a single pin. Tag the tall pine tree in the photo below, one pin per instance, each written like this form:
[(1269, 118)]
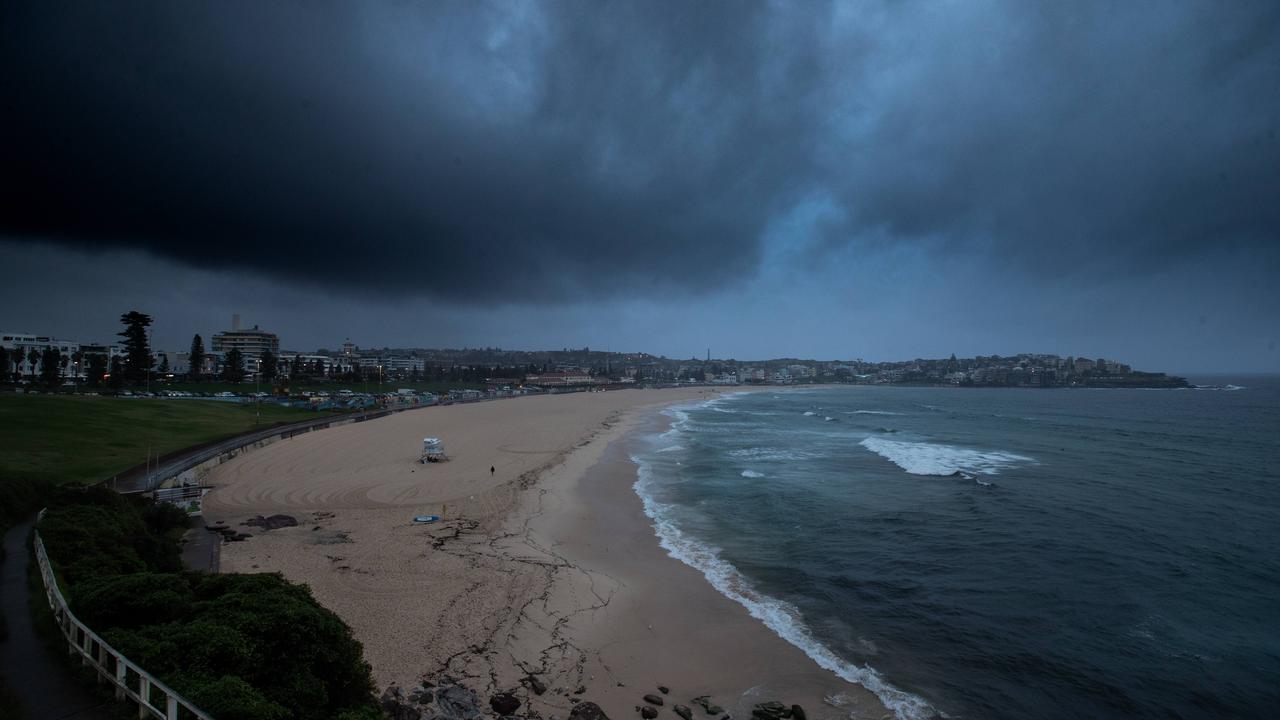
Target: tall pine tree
[(137, 350), (196, 357)]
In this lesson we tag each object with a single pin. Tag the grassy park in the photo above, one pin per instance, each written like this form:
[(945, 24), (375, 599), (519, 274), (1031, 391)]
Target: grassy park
[(76, 438), (388, 385)]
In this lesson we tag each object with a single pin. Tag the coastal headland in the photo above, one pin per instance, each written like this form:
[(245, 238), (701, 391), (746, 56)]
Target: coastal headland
[(543, 577)]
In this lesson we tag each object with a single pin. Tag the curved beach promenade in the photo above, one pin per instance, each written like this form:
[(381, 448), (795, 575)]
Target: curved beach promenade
[(546, 566)]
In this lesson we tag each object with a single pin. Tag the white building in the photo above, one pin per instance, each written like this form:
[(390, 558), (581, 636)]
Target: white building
[(73, 355)]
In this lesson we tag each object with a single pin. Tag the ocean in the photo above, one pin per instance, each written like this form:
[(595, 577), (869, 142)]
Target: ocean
[(995, 553)]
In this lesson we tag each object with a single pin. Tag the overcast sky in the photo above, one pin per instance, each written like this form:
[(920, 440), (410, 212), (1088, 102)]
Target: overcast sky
[(875, 180)]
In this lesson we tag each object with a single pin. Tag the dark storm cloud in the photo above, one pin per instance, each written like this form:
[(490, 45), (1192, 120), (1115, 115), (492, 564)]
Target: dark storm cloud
[(506, 152)]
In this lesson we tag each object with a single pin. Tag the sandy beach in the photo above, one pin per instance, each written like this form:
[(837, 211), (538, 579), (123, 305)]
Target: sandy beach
[(546, 567)]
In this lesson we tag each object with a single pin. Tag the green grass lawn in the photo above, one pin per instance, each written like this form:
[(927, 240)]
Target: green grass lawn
[(88, 438), (329, 387)]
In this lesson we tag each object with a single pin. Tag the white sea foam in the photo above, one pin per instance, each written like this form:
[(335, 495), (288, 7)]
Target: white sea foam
[(828, 418), (924, 458), (779, 616), (870, 412), (681, 418), (752, 474), (766, 453), (670, 448), (809, 413)]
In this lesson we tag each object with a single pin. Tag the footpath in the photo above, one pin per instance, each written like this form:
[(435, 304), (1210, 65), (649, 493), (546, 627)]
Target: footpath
[(47, 690)]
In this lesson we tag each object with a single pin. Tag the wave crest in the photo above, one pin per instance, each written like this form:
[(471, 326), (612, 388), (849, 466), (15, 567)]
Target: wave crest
[(783, 618), (925, 458)]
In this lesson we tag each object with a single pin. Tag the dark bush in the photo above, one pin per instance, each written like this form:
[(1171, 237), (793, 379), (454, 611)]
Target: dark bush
[(19, 497), (239, 646), (165, 519), (132, 601), (231, 698)]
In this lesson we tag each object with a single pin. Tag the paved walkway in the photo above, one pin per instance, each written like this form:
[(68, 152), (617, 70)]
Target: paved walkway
[(201, 549), (47, 690)]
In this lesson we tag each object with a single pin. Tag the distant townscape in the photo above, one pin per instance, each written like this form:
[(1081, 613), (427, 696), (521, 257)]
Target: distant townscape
[(253, 355)]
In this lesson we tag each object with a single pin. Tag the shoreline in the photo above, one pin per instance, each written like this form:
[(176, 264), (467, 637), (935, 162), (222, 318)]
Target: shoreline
[(545, 574), (666, 614)]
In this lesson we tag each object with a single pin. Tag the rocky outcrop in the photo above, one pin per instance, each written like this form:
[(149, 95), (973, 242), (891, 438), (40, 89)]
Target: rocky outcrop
[(273, 522), (396, 706), (772, 710), (455, 702), (588, 711)]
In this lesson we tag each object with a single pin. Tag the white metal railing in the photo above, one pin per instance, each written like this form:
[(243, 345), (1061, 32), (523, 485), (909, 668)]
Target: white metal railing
[(131, 681)]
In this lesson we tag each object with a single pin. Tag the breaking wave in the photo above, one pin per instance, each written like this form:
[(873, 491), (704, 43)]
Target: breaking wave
[(925, 458), (781, 617)]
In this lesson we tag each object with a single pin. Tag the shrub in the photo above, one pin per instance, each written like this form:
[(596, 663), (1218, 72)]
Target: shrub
[(239, 646), (132, 601), (19, 497), (231, 698)]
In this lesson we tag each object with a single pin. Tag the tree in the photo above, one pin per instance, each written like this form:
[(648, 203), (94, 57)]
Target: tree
[(137, 350), (196, 365), (4, 364), (77, 359), (267, 366), (163, 369), (50, 367), (233, 366), (317, 368), (116, 375), (97, 369), (33, 357)]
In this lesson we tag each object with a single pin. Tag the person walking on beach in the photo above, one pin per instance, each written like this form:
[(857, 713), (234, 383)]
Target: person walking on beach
[(491, 470)]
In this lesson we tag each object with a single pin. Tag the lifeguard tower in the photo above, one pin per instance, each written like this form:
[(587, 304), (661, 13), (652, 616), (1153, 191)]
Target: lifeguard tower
[(432, 451)]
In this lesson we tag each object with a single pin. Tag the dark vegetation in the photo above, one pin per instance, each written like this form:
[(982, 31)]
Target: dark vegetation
[(19, 497), (238, 646)]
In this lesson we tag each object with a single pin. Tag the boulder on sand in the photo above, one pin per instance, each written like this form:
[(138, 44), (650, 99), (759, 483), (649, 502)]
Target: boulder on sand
[(588, 711), (683, 711), (771, 710), (504, 703), (536, 685), (653, 699), (704, 701)]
